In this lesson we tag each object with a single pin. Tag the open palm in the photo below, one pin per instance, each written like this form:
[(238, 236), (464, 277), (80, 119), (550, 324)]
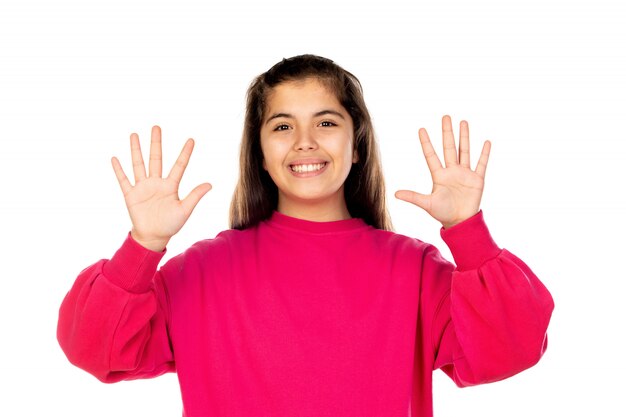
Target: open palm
[(457, 190), (153, 204)]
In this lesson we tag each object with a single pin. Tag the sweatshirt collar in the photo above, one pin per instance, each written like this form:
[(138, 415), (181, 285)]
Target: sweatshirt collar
[(293, 223)]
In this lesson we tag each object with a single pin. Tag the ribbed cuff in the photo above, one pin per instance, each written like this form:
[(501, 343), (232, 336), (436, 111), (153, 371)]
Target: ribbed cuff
[(133, 266), (470, 242)]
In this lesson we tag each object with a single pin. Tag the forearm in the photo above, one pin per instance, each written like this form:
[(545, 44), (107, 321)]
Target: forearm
[(500, 314), (498, 310), (112, 323)]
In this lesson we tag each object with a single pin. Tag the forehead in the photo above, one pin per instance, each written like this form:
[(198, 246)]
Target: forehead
[(296, 93)]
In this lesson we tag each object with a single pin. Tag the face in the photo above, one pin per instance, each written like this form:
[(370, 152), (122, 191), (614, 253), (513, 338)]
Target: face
[(307, 143)]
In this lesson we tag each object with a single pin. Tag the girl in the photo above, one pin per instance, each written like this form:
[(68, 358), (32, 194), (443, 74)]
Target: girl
[(309, 305)]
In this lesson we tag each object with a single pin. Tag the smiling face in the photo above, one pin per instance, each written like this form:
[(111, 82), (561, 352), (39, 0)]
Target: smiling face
[(307, 143)]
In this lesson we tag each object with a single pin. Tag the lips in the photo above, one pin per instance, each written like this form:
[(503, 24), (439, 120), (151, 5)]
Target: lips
[(302, 168), (307, 167)]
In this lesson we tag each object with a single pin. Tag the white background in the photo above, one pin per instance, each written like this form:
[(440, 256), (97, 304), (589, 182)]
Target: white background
[(545, 81)]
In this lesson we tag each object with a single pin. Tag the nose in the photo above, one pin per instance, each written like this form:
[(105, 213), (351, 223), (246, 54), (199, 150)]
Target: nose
[(304, 140)]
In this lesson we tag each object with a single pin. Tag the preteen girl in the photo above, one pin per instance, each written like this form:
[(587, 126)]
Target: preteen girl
[(309, 305)]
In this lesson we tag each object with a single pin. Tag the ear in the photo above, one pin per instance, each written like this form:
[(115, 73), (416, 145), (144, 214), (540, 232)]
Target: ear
[(355, 157), (264, 165)]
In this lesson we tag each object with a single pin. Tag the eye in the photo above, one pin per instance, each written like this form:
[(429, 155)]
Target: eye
[(280, 127), (328, 124)]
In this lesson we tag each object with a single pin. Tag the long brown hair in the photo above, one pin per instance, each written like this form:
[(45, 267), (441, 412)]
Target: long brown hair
[(256, 195)]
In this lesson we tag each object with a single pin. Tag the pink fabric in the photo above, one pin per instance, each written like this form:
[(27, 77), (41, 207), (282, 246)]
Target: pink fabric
[(298, 318)]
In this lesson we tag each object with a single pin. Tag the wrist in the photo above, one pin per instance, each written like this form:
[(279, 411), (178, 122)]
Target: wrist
[(470, 243), (447, 225), (155, 244)]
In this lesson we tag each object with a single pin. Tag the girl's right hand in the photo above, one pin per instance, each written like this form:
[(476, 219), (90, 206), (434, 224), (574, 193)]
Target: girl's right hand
[(155, 210)]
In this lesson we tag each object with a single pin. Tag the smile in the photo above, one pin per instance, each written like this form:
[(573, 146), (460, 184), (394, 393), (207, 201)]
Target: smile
[(306, 168)]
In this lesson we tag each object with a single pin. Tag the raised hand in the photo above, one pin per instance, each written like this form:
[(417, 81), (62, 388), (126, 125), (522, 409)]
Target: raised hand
[(155, 210), (457, 190)]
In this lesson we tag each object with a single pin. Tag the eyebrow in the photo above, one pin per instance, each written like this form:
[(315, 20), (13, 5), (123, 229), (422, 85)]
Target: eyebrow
[(319, 113)]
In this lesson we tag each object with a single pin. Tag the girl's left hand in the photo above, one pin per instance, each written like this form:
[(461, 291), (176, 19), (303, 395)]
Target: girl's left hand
[(457, 189)]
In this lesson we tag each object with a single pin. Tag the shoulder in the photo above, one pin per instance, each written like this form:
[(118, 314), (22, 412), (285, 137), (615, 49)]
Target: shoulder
[(223, 242), (394, 238), (397, 243), (216, 250)]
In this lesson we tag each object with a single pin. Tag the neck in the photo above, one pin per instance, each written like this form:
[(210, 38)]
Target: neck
[(314, 211)]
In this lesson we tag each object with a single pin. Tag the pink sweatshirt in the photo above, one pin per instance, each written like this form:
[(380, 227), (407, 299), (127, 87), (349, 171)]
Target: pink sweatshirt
[(307, 319)]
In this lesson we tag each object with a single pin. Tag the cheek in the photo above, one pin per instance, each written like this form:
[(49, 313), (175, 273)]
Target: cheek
[(271, 158)]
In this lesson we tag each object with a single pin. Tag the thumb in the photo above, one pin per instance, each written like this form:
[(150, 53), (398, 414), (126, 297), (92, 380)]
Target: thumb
[(420, 200), (192, 199)]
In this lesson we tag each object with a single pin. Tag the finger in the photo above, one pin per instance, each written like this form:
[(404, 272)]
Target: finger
[(192, 199), (420, 200), (155, 153), (464, 145), (121, 177), (135, 153), (180, 165), (449, 147), (432, 160), (481, 167)]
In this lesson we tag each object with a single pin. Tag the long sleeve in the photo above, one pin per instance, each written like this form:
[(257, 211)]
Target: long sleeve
[(492, 322), (113, 321)]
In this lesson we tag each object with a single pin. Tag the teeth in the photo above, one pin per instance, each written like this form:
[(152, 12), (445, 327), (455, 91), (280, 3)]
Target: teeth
[(307, 167)]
